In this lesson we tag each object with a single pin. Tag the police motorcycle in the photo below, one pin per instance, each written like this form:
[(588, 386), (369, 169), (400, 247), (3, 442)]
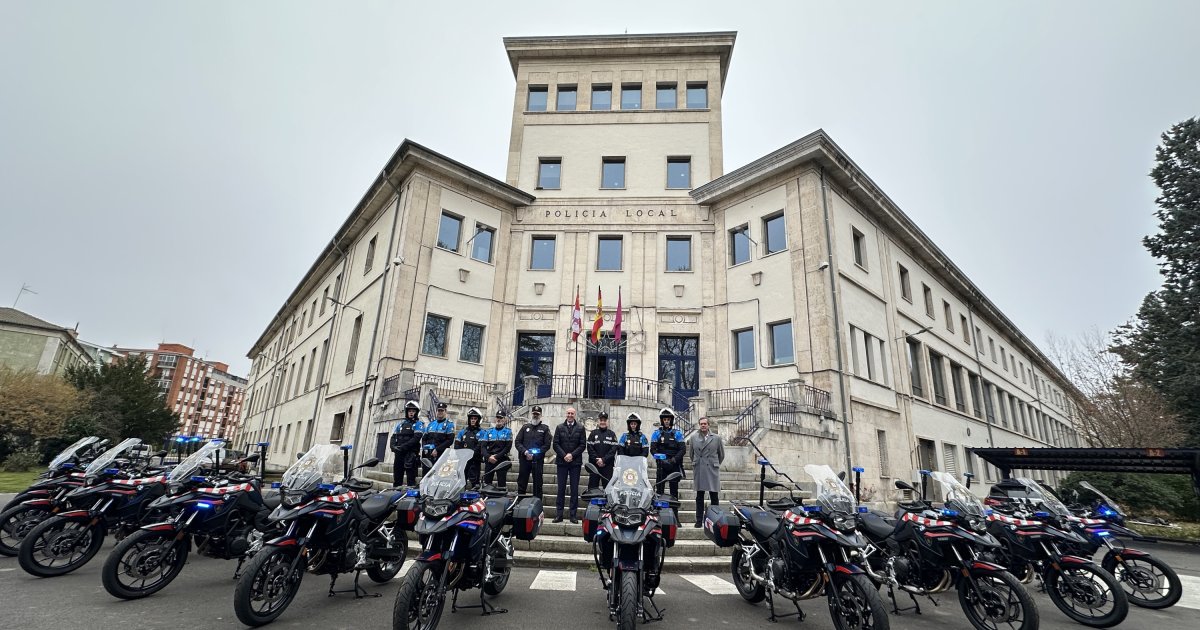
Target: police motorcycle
[(806, 552), (1148, 581), (44, 497), (1037, 536), (630, 528), (114, 498), (466, 537), (333, 524), (925, 550), (223, 515)]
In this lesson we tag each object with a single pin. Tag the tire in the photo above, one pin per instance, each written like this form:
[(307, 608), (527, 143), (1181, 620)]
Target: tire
[(385, 571), (630, 597), (1142, 577), (154, 558), (496, 586), (858, 606), (417, 606), (16, 521), (1005, 602), (57, 535), (747, 588), (270, 576), (1078, 586)]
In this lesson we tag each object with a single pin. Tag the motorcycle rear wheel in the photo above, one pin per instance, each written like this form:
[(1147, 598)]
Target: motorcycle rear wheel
[(1005, 602), (418, 606), (749, 590), (494, 587), (1142, 577), (858, 606), (57, 538), (143, 564), (630, 597), (16, 521), (271, 582), (1075, 588)]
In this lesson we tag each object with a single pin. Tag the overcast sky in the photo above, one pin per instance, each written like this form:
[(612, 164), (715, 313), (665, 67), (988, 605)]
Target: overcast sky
[(168, 171)]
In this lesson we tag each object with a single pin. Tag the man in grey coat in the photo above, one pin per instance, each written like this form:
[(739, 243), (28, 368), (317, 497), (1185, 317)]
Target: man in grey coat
[(707, 454)]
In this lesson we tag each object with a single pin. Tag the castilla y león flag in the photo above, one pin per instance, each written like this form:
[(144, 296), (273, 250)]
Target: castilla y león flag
[(576, 318), (599, 322), (617, 319)]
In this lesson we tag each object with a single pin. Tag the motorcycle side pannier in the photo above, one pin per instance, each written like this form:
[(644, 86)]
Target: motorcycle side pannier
[(722, 526), (669, 523), (591, 522), (407, 511), (527, 518)]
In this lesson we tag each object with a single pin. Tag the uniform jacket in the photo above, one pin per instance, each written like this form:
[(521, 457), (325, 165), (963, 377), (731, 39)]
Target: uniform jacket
[(569, 438), (633, 444), (602, 444), (707, 455), (472, 438), (440, 434), (533, 436), (406, 437), (669, 442), (499, 443)]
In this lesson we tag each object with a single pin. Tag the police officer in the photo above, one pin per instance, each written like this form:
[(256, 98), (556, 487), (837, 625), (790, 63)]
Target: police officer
[(532, 441), (439, 435), (601, 451), (633, 442), (406, 444), (499, 443), (472, 437), (668, 442), (569, 444)]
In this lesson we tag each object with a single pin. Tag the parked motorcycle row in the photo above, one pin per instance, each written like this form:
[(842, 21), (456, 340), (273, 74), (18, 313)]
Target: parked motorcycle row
[(320, 519)]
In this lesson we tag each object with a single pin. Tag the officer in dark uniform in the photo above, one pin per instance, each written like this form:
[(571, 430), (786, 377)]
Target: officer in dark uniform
[(472, 437), (570, 440), (601, 451), (439, 435), (668, 447), (498, 446), (406, 444), (532, 441), (633, 442)]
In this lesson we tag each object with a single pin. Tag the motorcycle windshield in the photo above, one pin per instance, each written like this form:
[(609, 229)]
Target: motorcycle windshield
[(630, 484), (956, 496), (70, 451), (833, 495), (192, 464), (106, 459), (448, 477), (1103, 497), (323, 461), (1044, 497)]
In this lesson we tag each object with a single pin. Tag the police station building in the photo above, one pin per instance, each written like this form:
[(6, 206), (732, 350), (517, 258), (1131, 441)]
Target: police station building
[(789, 300)]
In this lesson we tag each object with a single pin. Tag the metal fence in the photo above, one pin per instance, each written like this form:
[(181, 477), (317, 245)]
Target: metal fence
[(817, 400), (784, 412), (739, 397), (641, 389), (389, 386), (449, 387), (745, 424)]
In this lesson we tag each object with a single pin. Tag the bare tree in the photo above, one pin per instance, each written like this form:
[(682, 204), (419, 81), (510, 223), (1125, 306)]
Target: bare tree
[(1117, 409)]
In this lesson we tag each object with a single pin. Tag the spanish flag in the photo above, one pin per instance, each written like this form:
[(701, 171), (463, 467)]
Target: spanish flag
[(599, 321)]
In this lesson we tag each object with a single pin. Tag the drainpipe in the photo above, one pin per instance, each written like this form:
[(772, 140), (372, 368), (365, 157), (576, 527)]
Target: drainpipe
[(837, 324), (979, 368)]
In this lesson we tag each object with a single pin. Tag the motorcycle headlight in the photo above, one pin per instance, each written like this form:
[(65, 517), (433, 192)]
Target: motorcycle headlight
[(977, 525), (292, 498), (627, 518), (844, 523), (437, 509)]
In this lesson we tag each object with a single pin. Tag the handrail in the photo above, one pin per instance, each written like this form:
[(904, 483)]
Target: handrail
[(746, 423)]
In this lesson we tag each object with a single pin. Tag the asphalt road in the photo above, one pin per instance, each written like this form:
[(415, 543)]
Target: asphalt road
[(202, 598)]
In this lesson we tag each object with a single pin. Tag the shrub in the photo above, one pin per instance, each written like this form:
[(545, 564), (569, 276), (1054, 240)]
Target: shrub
[(21, 461)]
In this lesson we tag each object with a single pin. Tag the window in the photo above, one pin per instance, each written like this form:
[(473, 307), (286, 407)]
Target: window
[(773, 233), (679, 172), (541, 256), (434, 342), (679, 253), (1022, 370), (312, 361), (989, 408), (950, 457), (1014, 408), (992, 349), (298, 390), (311, 312), (601, 97), (956, 384), (978, 335), (905, 287), (1004, 359), (339, 427), (881, 438), (608, 253), (537, 99), (370, 262), (860, 254), (1002, 402), (928, 299), (697, 95), (739, 244), (481, 243), (743, 349), (966, 332), (566, 99), (915, 369), (781, 343), (449, 231), (471, 347), (355, 333), (665, 97), (949, 315), (324, 299), (612, 173), (549, 173), (868, 355), (976, 395), (631, 96), (969, 461), (936, 368)]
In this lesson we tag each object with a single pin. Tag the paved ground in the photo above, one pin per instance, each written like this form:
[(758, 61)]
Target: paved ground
[(202, 598)]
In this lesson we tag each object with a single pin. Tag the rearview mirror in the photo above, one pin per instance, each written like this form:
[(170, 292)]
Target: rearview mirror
[(672, 477), (504, 465), (426, 463), (842, 475), (299, 455), (774, 485), (253, 457), (590, 467), (904, 485), (160, 454), (374, 461)]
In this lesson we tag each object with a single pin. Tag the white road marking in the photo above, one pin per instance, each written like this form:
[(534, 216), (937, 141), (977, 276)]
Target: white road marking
[(712, 584), (1191, 592), (6, 570), (553, 581)]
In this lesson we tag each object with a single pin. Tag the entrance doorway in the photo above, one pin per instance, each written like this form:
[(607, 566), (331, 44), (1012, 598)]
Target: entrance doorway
[(604, 369), (927, 454), (679, 363), (535, 357)]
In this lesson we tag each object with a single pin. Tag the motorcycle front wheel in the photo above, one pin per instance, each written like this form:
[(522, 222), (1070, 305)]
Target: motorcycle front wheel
[(58, 546), (1087, 594), (267, 586), (1148, 581), (418, 605), (995, 599), (854, 603), (750, 590), (143, 564), (628, 604), (16, 522)]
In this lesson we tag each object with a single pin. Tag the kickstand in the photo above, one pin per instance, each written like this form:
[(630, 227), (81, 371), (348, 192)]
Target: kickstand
[(359, 591), (799, 614), (658, 613), (237, 573), (484, 605), (896, 609)]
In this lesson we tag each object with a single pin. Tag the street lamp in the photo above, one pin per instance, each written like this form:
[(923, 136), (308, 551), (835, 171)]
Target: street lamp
[(344, 305)]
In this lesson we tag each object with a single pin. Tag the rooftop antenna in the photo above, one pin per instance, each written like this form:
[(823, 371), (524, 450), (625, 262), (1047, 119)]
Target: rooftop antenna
[(25, 288)]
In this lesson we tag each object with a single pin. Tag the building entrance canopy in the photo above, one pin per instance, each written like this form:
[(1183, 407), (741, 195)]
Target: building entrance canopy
[(1179, 461)]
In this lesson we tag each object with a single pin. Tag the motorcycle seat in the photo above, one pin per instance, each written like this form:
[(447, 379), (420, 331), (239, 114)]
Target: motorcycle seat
[(270, 498), (376, 505), (496, 511), (764, 523), (877, 526)]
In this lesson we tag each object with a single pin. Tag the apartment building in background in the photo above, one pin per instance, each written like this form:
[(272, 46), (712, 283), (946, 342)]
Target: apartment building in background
[(207, 397)]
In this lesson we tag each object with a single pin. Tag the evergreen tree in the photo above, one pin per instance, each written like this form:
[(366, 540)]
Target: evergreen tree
[(121, 401), (1163, 342)]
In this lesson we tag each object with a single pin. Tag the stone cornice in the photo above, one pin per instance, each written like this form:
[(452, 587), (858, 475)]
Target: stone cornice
[(582, 46)]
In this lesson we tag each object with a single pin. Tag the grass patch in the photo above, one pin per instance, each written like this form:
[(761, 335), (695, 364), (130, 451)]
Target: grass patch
[(17, 481), (1185, 531)]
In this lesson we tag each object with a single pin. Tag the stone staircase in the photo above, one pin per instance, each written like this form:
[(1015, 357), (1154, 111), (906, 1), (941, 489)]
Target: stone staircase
[(561, 545)]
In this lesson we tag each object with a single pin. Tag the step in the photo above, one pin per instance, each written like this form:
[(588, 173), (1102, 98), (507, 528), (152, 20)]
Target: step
[(572, 530), (686, 486), (550, 469), (673, 563), (577, 545)]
